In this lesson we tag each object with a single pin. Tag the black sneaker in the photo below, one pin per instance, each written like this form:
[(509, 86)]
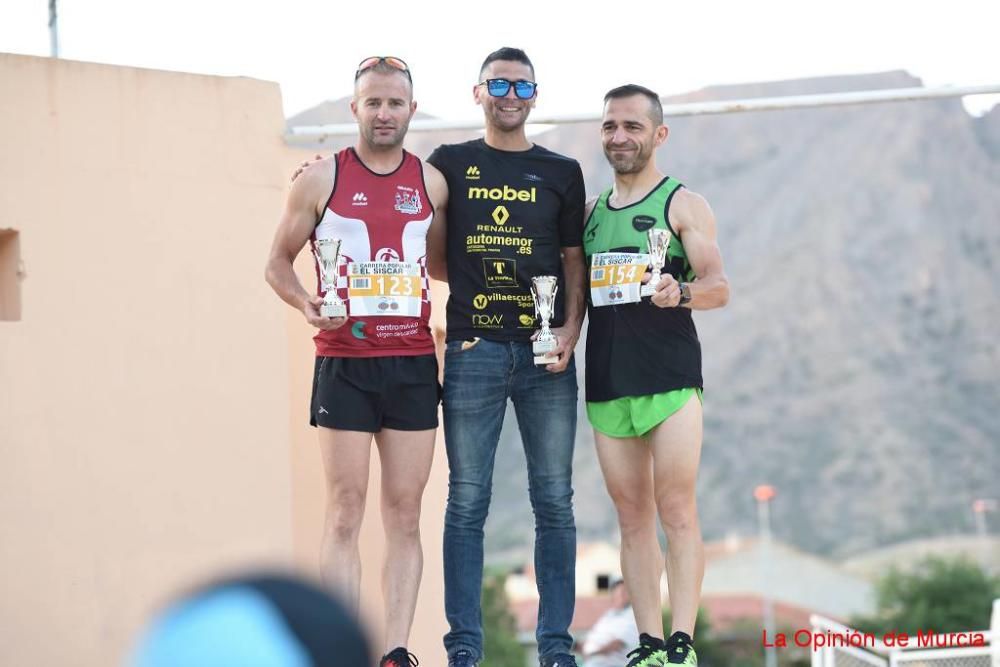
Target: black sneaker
[(398, 657), (651, 652), (462, 658), (558, 660), (680, 650)]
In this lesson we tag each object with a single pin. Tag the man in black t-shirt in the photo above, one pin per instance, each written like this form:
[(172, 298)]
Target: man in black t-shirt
[(515, 211)]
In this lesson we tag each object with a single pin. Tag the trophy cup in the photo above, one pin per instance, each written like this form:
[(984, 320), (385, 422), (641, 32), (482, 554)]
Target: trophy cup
[(327, 253), (543, 292), (659, 241)]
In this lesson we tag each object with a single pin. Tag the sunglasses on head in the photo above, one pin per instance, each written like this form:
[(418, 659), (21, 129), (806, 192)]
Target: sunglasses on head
[(391, 61), (523, 90)]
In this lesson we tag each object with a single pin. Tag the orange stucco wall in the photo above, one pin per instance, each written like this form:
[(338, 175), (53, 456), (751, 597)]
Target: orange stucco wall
[(153, 391)]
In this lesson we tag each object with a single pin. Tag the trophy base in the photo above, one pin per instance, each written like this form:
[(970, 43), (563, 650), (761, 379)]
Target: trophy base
[(540, 347), (543, 350), (333, 310)]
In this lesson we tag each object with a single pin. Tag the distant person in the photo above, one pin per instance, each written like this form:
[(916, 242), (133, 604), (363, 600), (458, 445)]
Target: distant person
[(376, 372), (643, 371), (254, 621), (608, 642)]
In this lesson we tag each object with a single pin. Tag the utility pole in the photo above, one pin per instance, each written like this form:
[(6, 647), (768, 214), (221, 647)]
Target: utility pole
[(980, 507), (53, 29), (764, 494)]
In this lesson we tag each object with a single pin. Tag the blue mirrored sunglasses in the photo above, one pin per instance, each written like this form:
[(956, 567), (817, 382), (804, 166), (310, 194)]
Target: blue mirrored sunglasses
[(523, 90)]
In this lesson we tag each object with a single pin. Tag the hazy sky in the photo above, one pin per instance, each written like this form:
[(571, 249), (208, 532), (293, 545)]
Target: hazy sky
[(579, 49)]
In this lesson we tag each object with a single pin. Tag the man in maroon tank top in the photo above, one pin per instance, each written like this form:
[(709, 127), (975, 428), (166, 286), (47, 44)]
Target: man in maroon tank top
[(376, 371)]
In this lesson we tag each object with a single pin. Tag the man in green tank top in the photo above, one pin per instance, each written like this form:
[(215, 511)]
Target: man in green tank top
[(644, 366)]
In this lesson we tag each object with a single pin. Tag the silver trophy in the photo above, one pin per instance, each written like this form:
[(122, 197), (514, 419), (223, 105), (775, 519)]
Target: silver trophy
[(327, 253), (659, 241), (543, 292)]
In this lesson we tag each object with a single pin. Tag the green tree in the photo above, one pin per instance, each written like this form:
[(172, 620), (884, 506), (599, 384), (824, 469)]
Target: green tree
[(939, 594), (499, 627)]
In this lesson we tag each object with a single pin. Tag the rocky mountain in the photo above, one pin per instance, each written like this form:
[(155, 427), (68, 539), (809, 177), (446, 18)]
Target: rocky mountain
[(856, 367)]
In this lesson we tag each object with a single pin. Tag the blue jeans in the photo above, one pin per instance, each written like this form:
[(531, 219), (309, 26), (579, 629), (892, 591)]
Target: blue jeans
[(477, 383)]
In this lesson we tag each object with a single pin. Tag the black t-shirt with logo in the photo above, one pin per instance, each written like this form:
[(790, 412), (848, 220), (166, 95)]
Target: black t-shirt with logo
[(509, 213)]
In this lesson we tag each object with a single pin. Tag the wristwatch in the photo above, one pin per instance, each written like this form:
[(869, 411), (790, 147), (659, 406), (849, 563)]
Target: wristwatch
[(685, 294)]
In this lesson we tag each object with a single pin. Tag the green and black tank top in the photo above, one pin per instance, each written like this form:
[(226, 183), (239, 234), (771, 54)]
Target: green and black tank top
[(638, 349)]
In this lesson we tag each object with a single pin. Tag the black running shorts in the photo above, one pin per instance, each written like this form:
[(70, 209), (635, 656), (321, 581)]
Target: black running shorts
[(371, 393)]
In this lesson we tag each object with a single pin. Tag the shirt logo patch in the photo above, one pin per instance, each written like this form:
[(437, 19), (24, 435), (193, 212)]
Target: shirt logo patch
[(500, 272), (359, 199), (472, 173), (485, 321), (642, 223), (387, 255), (500, 214), (408, 200)]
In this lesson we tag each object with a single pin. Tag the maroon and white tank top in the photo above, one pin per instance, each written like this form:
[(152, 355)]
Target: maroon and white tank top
[(381, 221)]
